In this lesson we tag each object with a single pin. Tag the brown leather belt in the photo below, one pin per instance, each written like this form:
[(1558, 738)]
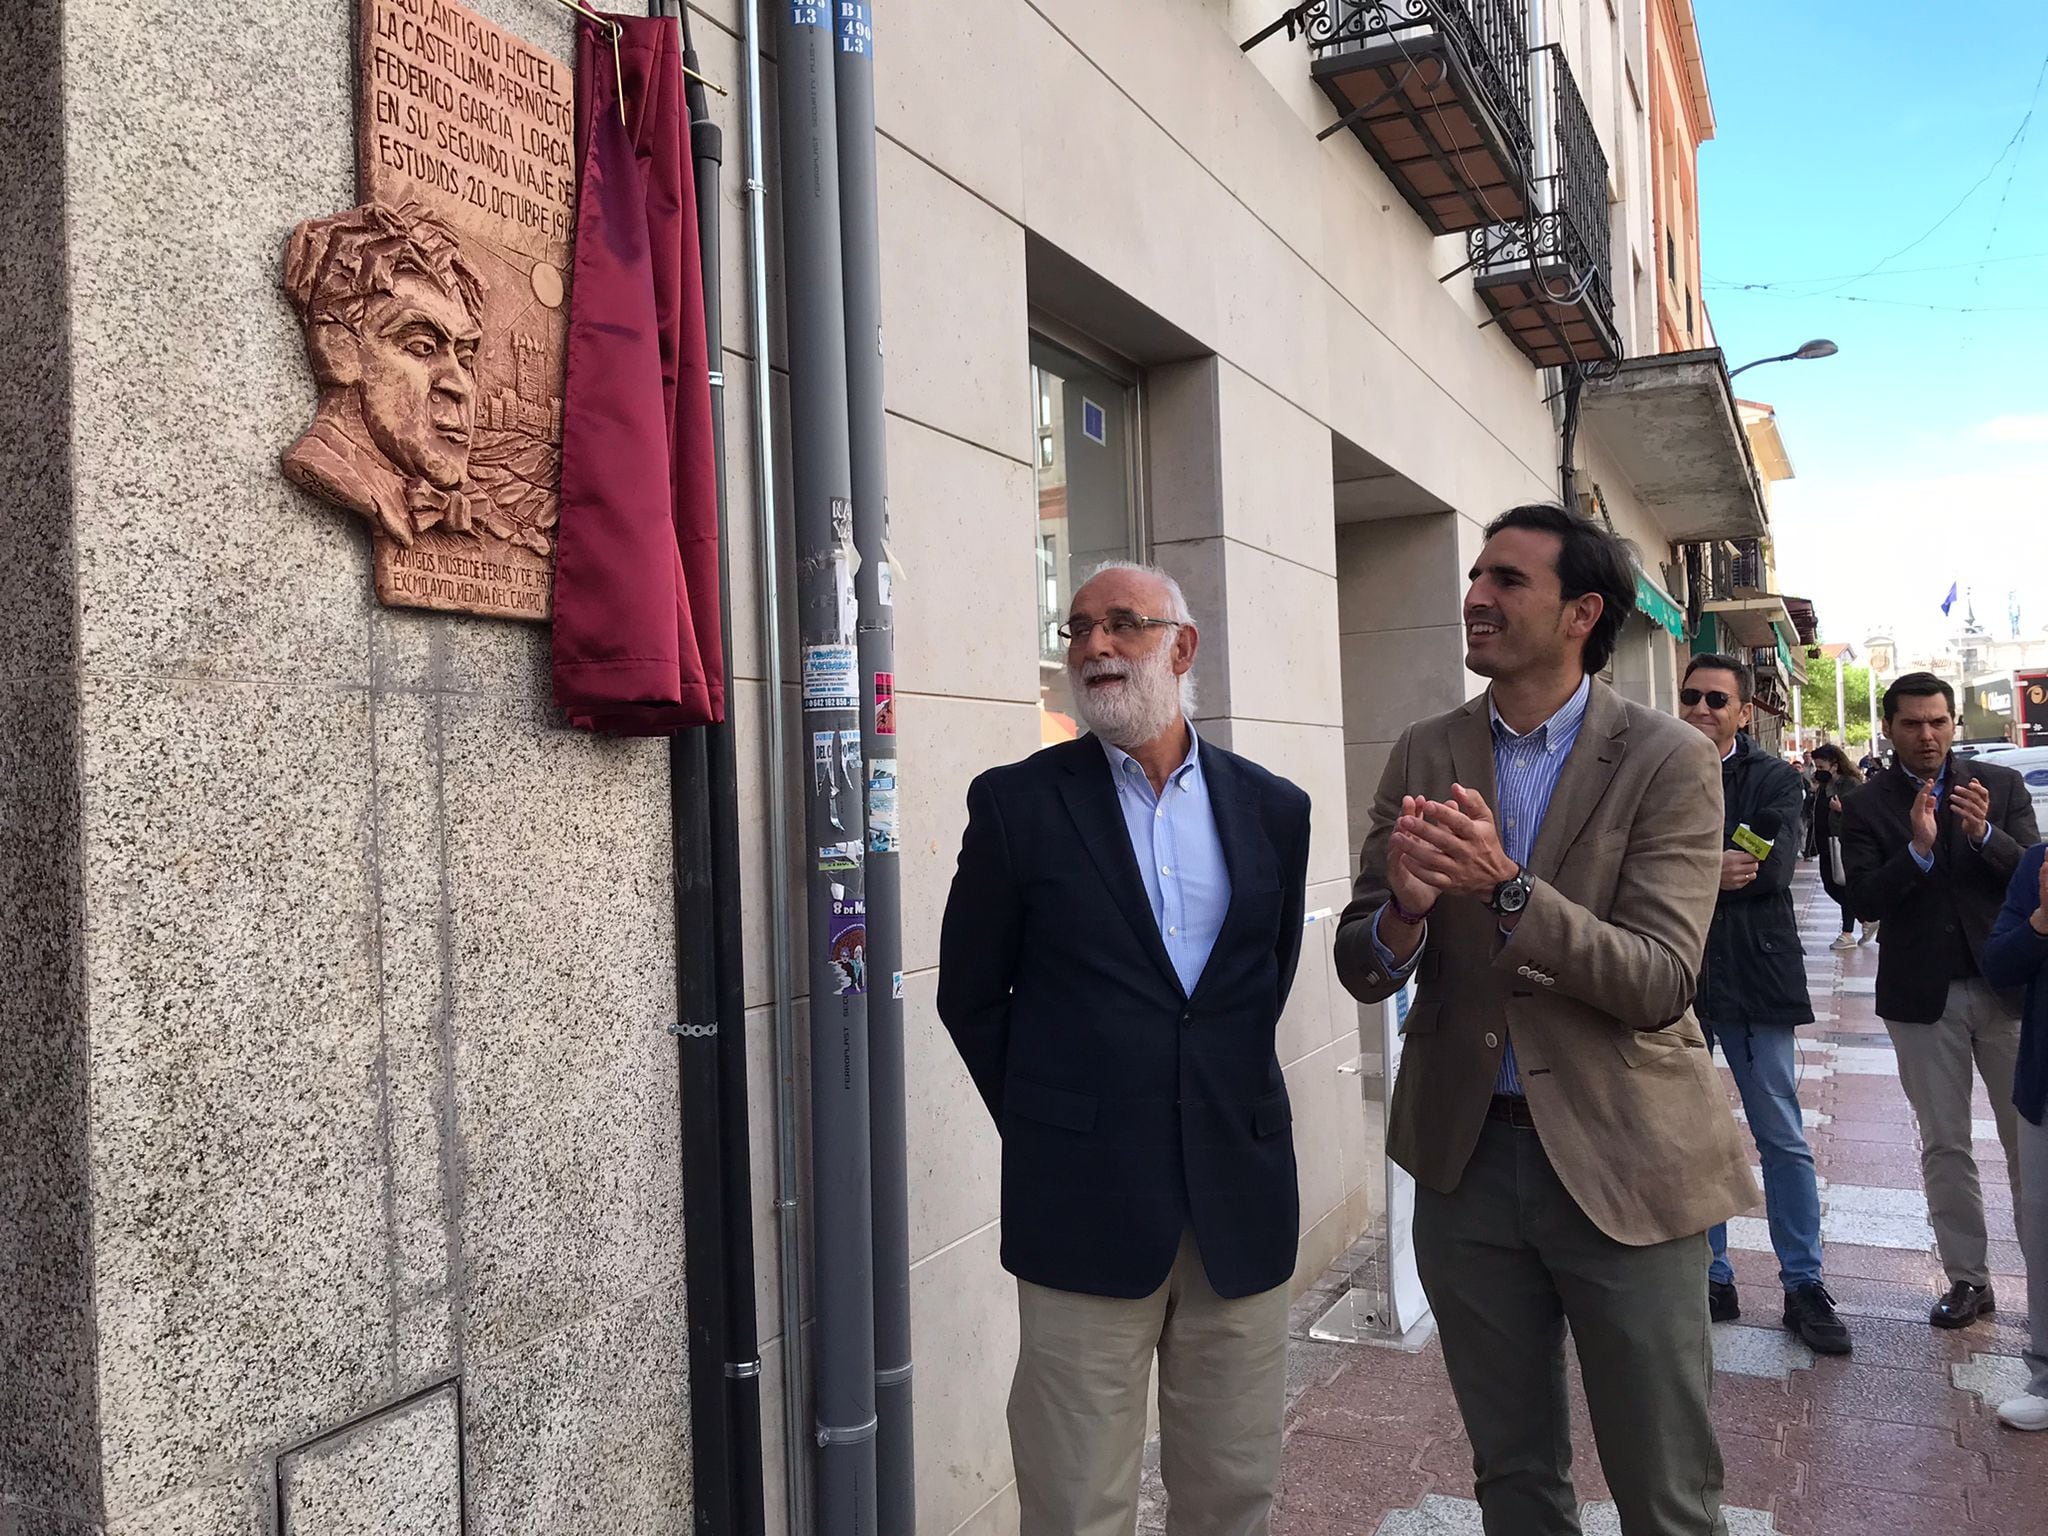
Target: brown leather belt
[(1514, 1111)]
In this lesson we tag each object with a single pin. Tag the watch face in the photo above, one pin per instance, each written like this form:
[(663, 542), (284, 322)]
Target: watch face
[(1513, 896)]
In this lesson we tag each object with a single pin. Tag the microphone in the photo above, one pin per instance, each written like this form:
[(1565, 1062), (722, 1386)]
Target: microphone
[(1757, 839)]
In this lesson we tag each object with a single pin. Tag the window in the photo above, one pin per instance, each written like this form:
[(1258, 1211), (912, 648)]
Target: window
[(1670, 255), (1088, 470)]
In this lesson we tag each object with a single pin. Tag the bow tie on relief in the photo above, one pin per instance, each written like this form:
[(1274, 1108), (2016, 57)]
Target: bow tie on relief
[(430, 505)]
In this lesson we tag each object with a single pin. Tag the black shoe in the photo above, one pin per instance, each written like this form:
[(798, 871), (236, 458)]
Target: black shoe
[(1810, 1313), (1722, 1306), (1962, 1306)]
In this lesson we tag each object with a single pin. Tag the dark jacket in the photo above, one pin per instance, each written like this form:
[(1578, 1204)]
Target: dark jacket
[(1129, 1111), (1755, 969), (1935, 923), (2016, 956)]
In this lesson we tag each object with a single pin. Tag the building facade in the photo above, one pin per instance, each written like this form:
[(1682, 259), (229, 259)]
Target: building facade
[(343, 971)]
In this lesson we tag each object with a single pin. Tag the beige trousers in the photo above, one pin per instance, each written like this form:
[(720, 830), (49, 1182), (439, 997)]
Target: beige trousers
[(1934, 1068), (1077, 1405)]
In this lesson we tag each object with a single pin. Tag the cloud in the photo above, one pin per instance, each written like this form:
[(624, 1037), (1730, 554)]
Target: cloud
[(2021, 428)]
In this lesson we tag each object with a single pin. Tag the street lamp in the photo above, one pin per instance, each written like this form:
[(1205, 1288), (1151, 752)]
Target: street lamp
[(1819, 347)]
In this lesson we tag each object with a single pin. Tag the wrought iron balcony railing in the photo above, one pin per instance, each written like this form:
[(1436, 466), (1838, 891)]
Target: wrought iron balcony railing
[(1436, 90), (1547, 277)]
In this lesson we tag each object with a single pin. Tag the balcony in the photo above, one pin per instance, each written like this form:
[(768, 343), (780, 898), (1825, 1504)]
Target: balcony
[(1546, 277), (1438, 93)]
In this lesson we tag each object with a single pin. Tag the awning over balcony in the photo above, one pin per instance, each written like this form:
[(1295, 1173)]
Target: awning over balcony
[(1659, 606), (1751, 621), (1671, 424)]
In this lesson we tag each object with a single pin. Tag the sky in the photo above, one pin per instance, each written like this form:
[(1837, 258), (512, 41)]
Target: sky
[(1879, 135)]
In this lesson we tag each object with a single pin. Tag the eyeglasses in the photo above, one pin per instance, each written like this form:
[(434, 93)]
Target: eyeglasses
[(1715, 698), (1121, 623)]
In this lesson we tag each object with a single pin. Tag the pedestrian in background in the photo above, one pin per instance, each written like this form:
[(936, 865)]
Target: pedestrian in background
[(1929, 846), (2016, 955), (1544, 861), (1835, 777), (1753, 996)]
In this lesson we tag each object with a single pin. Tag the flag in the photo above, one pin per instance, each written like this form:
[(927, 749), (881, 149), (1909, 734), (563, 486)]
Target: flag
[(1949, 601)]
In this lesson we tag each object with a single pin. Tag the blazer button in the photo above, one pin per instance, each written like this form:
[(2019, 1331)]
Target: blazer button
[(1492, 1040), (1550, 981), (1523, 970), (1187, 1016)]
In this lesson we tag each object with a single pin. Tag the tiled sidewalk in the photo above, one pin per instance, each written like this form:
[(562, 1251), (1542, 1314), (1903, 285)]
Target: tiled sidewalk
[(1895, 1440)]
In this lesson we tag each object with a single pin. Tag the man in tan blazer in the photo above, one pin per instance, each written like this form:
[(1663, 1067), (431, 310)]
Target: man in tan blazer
[(1545, 862)]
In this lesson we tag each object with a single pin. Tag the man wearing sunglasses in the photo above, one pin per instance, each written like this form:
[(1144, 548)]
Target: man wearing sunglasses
[(1753, 995), (1119, 942)]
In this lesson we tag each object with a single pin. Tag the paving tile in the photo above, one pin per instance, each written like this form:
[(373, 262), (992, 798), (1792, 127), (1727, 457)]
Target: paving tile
[(1993, 1378), (1740, 1350), (1760, 1406), (1835, 1509), (1876, 1229), (1866, 1061), (1907, 1343), (1904, 1458), (1881, 1393), (1758, 1472), (1857, 986), (1867, 1263), (1348, 1481)]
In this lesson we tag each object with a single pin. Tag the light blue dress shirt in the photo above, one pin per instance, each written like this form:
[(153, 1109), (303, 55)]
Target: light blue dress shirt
[(1525, 773), (1179, 854)]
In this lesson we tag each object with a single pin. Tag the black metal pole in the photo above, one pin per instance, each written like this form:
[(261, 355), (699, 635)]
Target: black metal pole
[(835, 854), (861, 257), (697, 1030), (742, 1363)]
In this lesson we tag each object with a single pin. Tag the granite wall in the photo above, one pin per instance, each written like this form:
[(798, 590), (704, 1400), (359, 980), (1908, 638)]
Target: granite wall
[(338, 975)]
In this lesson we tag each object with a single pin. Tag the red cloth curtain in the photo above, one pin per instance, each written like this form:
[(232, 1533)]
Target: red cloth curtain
[(637, 643)]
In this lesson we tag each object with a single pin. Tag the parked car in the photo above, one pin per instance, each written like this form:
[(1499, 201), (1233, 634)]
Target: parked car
[(2032, 765)]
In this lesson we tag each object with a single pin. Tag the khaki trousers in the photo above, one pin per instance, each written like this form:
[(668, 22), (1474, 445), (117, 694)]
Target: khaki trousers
[(1934, 1069), (1077, 1405), (1509, 1261)]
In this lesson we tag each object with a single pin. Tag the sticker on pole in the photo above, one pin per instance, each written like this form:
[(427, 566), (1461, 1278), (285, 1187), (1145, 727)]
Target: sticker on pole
[(856, 31), (882, 806), (885, 702), (810, 13), (896, 987), (838, 858), (1094, 422), (846, 940), (830, 677)]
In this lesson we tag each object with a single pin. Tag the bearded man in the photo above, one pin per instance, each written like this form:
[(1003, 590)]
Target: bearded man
[(1119, 942)]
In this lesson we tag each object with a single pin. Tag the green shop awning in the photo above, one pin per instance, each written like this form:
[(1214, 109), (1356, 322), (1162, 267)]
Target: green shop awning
[(1792, 674), (1654, 601)]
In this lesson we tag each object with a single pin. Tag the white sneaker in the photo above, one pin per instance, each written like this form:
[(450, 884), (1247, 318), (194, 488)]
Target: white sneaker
[(2024, 1412), (1845, 941), (1869, 933)]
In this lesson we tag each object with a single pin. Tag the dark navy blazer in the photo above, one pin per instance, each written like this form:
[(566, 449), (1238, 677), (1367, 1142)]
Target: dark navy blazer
[(2016, 956), (1129, 1110)]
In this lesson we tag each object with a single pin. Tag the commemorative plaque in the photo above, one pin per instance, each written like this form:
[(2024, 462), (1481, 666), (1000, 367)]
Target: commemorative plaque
[(435, 312)]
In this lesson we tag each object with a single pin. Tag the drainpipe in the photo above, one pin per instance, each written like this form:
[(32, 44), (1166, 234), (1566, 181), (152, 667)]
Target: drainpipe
[(861, 256), (788, 1247), (740, 1365), (697, 898), (835, 850)]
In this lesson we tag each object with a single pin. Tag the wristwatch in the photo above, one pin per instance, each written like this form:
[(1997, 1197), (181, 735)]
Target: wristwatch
[(1510, 896)]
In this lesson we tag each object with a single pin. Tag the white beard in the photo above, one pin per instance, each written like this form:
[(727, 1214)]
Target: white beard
[(1135, 711)]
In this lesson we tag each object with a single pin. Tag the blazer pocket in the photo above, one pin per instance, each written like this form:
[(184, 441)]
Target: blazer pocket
[(1062, 1107), (1646, 1047), (1271, 1114), (1423, 1018)]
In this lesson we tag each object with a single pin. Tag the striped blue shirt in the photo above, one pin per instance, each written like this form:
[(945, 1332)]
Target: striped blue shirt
[(1525, 774)]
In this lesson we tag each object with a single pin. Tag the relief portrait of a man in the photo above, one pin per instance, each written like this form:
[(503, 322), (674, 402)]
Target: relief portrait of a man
[(393, 321)]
